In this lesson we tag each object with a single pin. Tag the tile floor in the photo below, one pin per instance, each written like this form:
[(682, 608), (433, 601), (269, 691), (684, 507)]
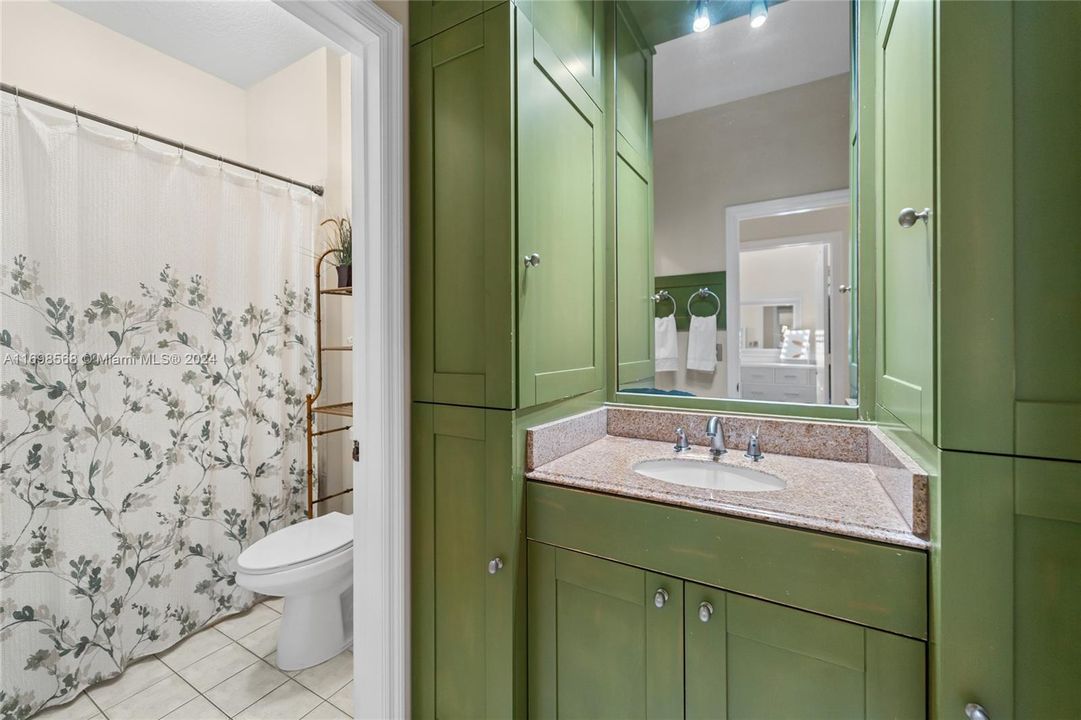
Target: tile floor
[(225, 671)]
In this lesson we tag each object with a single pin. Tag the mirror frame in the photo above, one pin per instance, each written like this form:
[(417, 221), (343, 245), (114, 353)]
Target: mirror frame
[(862, 208)]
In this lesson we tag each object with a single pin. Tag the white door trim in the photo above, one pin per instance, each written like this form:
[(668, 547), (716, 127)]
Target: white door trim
[(380, 412), (733, 216)]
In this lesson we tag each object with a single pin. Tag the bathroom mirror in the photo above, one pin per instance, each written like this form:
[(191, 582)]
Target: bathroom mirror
[(737, 279)]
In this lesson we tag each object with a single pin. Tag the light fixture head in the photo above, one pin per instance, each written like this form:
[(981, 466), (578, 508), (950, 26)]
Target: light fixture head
[(758, 13), (701, 17)]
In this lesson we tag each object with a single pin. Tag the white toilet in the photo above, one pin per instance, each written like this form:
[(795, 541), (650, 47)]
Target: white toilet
[(310, 564)]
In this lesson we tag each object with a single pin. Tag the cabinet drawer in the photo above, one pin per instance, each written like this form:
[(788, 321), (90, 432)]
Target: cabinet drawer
[(794, 376), (778, 393), (756, 374)]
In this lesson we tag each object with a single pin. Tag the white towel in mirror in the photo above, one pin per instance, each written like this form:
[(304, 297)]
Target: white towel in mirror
[(665, 349), (702, 344)]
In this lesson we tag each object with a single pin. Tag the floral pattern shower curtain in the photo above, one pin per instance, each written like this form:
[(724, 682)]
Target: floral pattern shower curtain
[(155, 350)]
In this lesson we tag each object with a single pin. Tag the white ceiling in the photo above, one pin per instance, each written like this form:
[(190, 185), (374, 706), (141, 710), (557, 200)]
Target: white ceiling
[(802, 41), (239, 41)]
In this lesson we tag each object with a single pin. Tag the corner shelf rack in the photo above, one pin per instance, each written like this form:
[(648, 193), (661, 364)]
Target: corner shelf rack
[(341, 409)]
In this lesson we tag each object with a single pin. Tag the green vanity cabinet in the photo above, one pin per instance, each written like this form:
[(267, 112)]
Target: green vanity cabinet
[(463, 521), (609, 640), (905, 251), (462, 223), (606, 640), (561, 223), (634, 201)]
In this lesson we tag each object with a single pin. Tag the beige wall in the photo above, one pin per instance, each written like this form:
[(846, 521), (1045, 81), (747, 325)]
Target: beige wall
[(790, 142)]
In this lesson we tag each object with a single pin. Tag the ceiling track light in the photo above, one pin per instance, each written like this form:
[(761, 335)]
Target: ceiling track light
[(758, 13), (701, 17)]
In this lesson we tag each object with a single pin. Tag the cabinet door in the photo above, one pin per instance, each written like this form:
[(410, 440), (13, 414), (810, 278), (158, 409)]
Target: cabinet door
[(634, 203), (461, 520), (600, 645), (561, 205), (906, 254), (753, 660), (462, 277)]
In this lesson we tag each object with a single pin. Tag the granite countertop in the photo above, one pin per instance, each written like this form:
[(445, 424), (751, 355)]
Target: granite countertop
[(843, 498)]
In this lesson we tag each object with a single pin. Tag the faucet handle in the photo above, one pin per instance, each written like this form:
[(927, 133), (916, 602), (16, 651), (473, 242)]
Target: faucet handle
[(681, 440), (754, 452)]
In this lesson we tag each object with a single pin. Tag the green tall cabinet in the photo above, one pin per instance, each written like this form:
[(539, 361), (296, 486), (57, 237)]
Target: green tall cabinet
[(994, 352), (508, 188)]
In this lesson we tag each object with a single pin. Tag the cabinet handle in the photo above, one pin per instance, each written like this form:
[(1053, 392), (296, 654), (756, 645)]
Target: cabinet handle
[(844, 288), (495, 565), (660, 597), (532, 260), (908, 217), (975, 711), (705, 612)]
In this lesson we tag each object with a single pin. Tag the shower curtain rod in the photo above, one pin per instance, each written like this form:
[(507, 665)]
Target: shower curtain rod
[(138, 132)]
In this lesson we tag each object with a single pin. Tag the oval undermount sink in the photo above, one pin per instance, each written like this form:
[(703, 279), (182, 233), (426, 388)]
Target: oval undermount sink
[(709, 475)]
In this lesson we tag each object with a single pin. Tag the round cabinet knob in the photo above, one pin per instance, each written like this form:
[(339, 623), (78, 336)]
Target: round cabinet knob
[(660, 597), (844, 288), (495, 565), (705, 612), (532, 260), (908, 217), (975, 711)]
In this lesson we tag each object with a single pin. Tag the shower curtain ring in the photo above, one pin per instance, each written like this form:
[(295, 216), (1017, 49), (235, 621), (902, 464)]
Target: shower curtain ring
[(136, 135), (76, 109), (16, 97), (221, 163), (180, 151)]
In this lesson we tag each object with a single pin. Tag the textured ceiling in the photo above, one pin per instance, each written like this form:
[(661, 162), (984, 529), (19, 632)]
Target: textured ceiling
[(239, 41), (802, 41)]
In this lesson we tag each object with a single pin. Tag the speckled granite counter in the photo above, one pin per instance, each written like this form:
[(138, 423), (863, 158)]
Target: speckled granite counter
[(834, 496)]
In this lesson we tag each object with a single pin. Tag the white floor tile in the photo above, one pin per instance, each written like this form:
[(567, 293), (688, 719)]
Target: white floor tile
[(244, 688), (248, 622), (263, 641), (198, 708), (136, 678), (194, 647), (159, 699), (343, 699), (326, 711), (81, 708), (276, 604), (218, 666), (290, 701), (328, 678)]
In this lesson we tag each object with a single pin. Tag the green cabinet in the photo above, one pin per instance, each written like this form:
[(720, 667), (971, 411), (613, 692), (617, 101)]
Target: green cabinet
[(905, 252), (561, 204), (462, 223), (600, 645), (633, 201), (462, 517), (612, 640)]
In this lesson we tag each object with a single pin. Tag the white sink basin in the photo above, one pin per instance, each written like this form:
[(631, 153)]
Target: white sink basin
[(709, 475)]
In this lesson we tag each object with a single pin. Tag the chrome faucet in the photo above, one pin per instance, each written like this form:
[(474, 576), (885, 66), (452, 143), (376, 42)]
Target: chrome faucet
[(753, 451), (715, 432), (681, 441)]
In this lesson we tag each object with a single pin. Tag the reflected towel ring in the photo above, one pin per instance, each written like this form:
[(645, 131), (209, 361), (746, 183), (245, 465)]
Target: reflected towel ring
[(704, 292), (664, 295)]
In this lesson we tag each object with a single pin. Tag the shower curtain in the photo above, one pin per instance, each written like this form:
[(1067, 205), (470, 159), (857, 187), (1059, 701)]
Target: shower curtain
[(155, 350)]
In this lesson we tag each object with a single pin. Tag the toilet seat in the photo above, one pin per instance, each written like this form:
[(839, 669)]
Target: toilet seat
[(301, 544)]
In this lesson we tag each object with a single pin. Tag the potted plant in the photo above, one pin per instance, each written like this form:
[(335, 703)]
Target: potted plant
[(341, 245)]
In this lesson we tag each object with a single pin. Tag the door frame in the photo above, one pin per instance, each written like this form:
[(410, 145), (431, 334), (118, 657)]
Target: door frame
[(380, 305), (734, 215)]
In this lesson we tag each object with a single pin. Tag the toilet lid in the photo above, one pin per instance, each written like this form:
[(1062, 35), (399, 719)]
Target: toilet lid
[(299, 543)]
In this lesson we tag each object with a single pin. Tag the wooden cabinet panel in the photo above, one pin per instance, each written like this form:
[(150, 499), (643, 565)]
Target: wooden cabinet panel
[(906, 260), (462, 277), (461, 519), (599, 645), (561, 206)]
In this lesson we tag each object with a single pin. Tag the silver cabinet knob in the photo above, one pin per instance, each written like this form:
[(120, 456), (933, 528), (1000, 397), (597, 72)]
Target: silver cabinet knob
[(844, 288), (975, 711), (660, 597), (495, 565), (532, 260), (908, 217), (705, 612)]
